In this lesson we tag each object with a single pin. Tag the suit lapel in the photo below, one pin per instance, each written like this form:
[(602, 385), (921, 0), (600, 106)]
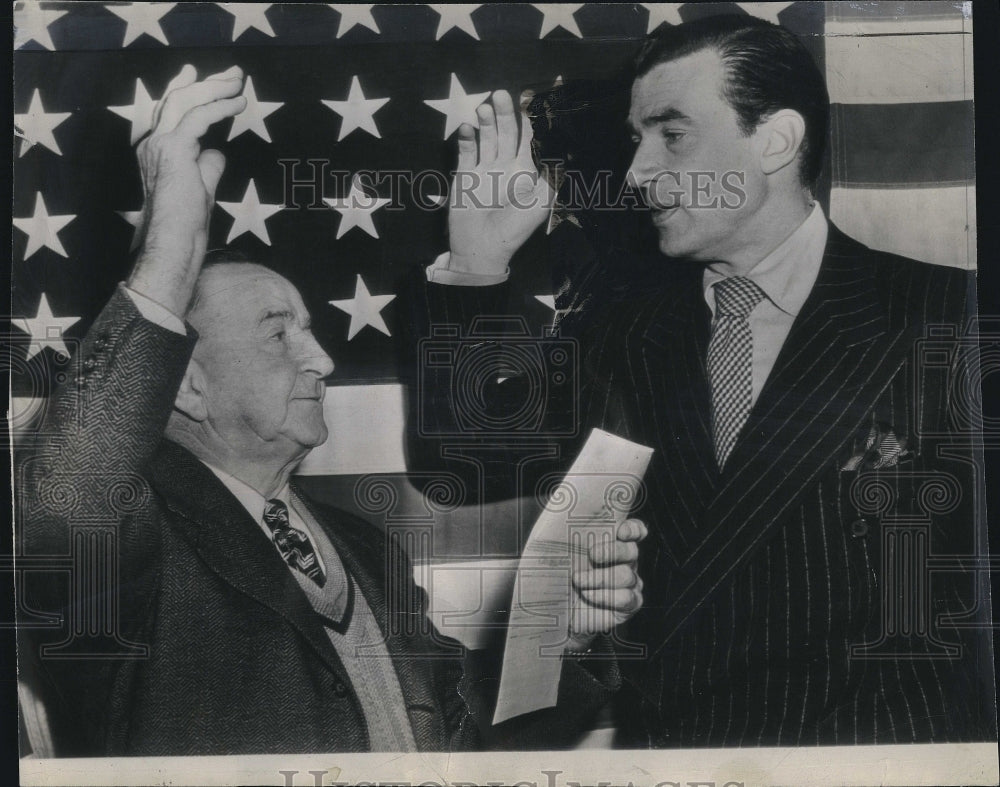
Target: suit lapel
[(839, 357), (676, 419), (232, 544)]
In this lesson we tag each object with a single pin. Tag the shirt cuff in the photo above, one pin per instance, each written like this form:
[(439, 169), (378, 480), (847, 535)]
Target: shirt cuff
[(439, 273), (155, 312)]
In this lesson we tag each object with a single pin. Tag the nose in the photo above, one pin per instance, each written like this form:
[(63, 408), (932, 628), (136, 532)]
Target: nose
[(313, 358), (644, 166)]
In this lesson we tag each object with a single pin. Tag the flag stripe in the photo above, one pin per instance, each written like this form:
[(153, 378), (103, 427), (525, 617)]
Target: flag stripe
[(896, 69), (903, 144), (871, 216), (366, 432), (913, 16)]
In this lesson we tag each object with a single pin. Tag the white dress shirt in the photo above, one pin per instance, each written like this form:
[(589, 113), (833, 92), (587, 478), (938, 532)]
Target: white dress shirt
[(786, 276)]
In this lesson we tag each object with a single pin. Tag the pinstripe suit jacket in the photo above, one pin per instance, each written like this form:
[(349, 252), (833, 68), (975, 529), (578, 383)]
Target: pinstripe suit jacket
[(767, 599), (236, 659), (771, 597)]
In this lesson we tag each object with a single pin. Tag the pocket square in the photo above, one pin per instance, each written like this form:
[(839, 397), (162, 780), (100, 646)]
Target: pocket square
[(882, 449)]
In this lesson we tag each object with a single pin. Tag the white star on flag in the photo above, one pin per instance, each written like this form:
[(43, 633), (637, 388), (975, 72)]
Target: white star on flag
[(247, 15), (768, 11), (31, 23), (249, 214), (356, 209), (455, 15), (459, 107), (559, 15), (36, 125), (365, 309), (252, 118), (44, 328), (357, 111), (354, 14), (142, 18), (139, 113), (43, 229), (133, 217), (662, 12)]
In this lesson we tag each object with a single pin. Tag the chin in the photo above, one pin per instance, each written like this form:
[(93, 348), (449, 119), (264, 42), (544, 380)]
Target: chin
[(318, 437), (672, 248)]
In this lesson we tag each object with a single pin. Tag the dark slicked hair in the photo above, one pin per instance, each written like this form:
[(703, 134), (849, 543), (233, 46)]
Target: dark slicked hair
[(767, 69)]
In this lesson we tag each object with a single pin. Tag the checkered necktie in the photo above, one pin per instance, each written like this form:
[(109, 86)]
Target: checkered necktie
[(293, 544), (730, 361)]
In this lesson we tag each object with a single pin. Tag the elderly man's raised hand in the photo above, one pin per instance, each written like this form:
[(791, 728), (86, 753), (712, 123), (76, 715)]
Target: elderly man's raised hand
[(179, 180), (608, 589), (498, 197)]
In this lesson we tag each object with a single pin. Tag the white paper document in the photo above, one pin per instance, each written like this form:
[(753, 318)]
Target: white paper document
[(585, 508), (467, 599)]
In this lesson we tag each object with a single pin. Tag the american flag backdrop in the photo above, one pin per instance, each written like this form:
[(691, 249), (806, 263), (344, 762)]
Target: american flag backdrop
[(336, 91)]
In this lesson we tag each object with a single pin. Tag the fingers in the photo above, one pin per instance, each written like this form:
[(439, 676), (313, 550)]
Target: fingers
[(609, 553), (623, 601), (618, 576), (196, 121), (632, 530), (183, 100), (185, 77), (527, 134), (487, 134), (506, 124), (466, 148), (229, 73)]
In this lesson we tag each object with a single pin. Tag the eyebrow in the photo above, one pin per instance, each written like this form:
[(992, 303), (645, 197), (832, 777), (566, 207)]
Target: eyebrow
[(664, 115), (282, 314)]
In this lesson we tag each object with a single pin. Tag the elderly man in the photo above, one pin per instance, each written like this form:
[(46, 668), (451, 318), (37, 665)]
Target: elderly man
[(268, 618), (797, 435)]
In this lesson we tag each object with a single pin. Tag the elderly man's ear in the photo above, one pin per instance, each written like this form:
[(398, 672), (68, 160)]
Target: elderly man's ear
[(783, 133), (190, 398)]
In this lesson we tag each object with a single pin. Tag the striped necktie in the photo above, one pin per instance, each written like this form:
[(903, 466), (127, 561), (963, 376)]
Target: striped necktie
[(730, 361), (293, 544)]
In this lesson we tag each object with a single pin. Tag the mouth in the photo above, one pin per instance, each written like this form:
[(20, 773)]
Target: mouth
[(662, 215), (313, 397)]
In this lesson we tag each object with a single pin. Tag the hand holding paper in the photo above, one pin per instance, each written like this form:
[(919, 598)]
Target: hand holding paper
[(608, 591), (577, 572)]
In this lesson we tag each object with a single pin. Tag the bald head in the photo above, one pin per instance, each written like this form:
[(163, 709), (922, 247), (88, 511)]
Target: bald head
[(218, 278)]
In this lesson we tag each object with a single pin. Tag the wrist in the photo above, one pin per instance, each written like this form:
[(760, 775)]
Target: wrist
[(442, 272), (168, 274), (478, 264)]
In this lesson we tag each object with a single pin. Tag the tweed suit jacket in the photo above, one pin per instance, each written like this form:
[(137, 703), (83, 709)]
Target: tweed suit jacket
[(776, 611), (228, 655)]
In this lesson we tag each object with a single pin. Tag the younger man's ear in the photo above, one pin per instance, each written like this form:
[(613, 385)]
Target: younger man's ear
[(783, 133)]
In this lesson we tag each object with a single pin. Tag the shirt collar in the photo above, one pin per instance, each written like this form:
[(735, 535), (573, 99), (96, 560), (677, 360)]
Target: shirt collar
[(788, 273), (252, 500)]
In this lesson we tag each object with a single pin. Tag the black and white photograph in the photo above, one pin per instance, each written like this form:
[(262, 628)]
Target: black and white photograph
[(552, 394)]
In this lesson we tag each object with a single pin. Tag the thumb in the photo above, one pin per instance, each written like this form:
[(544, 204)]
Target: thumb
[(212, 163)]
